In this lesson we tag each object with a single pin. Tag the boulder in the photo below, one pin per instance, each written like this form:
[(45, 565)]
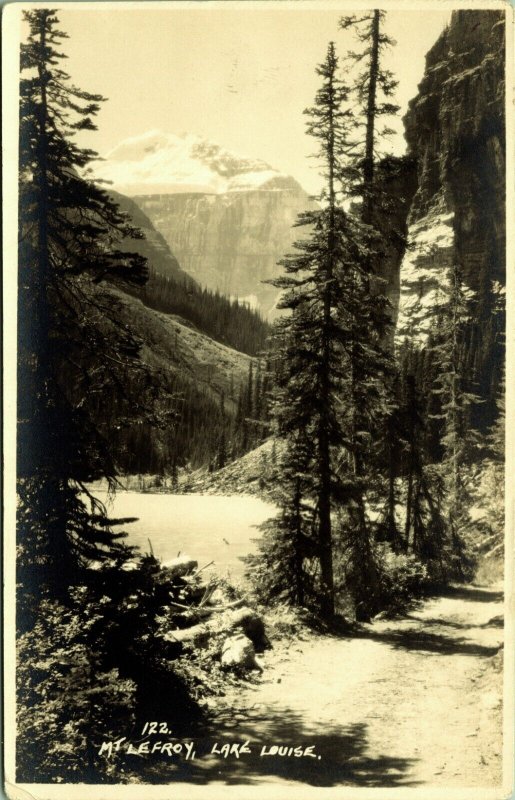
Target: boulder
[(238, 652)]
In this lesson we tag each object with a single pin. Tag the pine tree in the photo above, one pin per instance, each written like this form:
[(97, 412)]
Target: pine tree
[(372, 89), (334, 366), (222, 443), (285, 567), (491, 490), (458, 439), (74, 357), (390, 453), (309, 337), (368, 402), (364, 405)]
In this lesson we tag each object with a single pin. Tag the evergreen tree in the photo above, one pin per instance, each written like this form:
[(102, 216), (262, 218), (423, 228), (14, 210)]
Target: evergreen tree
[(74, 357), (286, 564), (414, 424), (372, 89), (491, 490), (309, 337), (391, 453), (456, 400), (222, 446), (368, 403), (79, 374), (364, 406), (334, 366)]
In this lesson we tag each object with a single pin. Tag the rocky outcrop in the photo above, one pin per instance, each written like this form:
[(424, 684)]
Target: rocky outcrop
[(152, 246), (231, 242), (455, 131), (397, 183)]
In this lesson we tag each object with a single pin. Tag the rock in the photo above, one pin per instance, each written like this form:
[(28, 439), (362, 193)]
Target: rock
[(218, 597), (180, 566), (238, 652), (455, 133)]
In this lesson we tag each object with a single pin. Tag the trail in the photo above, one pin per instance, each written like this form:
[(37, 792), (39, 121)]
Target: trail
[(411, 702)]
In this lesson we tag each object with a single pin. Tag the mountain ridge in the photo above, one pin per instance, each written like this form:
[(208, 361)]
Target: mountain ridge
[(163, 163)]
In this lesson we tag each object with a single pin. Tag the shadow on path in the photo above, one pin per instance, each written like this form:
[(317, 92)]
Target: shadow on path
[(414, 639), (494, 622), (471, 593), (341, 756)]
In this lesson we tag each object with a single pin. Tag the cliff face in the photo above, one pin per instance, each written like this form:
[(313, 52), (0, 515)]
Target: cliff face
[(455, 132), (397, 181), (231, 241), (152, 246)]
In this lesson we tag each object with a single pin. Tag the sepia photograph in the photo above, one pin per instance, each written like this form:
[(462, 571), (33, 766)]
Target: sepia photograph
[(256, 535)]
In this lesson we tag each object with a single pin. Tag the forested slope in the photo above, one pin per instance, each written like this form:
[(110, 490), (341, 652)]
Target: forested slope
[(209, 384)]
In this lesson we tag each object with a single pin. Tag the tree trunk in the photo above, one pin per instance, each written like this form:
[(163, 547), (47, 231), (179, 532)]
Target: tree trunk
[(299, 594), (368, 164), (324, 454)]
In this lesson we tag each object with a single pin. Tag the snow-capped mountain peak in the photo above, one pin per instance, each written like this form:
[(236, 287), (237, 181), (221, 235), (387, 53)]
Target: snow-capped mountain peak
[(163, 163)]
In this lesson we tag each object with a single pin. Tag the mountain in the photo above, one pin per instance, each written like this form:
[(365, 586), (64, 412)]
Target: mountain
[(455, 129), (171, 290), (162, 163), (173, 344), (228, 220), (209, 383), (455, 133), (194, 338)]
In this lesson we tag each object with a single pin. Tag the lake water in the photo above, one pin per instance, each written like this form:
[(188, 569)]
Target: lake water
[(205, 527)]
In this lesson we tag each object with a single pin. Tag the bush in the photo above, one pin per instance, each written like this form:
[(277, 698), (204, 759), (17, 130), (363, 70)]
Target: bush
[(90, 667), (402, 579), (67, 705), (283, 570)]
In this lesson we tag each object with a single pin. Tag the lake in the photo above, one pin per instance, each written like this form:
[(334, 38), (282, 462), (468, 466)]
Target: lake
[(205, 527)]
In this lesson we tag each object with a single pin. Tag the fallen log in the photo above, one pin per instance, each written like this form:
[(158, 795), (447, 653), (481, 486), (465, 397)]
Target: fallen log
[(206, 610), (230, 619)]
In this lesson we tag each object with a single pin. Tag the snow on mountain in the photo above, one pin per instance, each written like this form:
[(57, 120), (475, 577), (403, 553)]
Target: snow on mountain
[(163, 163)]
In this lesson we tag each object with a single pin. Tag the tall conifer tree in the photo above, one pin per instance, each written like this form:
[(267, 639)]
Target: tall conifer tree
[(333, 364), (308, 341), (456, 401), (367, 402), (74, 357)]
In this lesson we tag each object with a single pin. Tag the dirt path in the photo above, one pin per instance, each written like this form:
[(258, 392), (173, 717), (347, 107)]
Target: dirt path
[(412, 702)]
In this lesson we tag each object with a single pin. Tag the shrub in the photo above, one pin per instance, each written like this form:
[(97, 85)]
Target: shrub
[(402, 579), (67, 705), (284, 568)]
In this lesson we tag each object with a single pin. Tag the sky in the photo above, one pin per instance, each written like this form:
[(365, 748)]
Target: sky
[(239, 74)]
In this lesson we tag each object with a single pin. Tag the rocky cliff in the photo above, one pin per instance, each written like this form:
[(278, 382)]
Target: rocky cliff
[(455, 132), (231, 241), (153, 245)]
